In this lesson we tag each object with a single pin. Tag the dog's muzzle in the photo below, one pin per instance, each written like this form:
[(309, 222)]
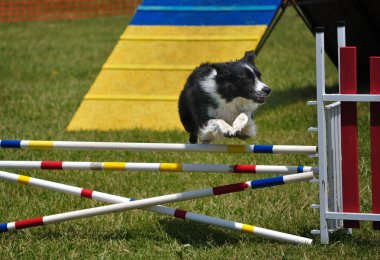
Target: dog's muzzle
[(259, 97)]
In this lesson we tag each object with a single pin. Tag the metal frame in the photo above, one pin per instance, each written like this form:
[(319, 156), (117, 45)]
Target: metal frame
[(329, 147)]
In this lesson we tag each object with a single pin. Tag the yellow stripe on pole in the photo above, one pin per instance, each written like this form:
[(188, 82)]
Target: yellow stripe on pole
[(114, 166), (131, 97), (236, 148), (248, 228), (171, 167), (23, 179), (41, 144)]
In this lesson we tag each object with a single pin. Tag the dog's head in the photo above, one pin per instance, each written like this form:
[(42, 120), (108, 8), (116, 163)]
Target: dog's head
[(241, 78)]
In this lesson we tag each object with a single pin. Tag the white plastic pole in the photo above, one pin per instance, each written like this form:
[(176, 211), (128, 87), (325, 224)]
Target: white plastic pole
[(162, 167), (158, 147)]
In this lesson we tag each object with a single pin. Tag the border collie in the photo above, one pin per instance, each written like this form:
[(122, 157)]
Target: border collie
[(219, 100)]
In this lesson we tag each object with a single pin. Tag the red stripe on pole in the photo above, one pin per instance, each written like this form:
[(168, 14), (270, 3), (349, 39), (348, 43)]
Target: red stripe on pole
[(244, 168), (86, 193), (33, 222), (375, 137), (179, 213), (46, 165), (350, 169), (229, 188)]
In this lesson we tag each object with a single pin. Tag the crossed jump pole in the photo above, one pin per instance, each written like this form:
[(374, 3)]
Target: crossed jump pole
[(338, 146), (152, 204)]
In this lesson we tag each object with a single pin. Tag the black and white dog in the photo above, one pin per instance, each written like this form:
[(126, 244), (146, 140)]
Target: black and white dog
[(219, 100)]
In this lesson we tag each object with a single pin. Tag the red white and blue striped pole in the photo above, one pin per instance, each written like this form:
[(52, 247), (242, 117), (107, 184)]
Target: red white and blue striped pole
[(144, 203), (162, 167), (178, 213), (158, 147)]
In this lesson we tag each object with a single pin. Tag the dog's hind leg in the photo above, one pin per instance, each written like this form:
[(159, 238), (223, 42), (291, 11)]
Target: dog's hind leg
[(193, 139), (215, 129)]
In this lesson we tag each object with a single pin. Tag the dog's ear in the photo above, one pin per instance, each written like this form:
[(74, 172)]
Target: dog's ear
[(249, 57)]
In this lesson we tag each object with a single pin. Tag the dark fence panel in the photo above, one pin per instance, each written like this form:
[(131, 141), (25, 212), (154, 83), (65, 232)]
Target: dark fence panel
[(30, 10)]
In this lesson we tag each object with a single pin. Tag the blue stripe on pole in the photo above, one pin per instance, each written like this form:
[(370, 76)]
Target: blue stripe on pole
[(3, 228), (300, 169), (211, 2), (206, 18), (213, 8), (10, 143), (263, 148), (267, 182)]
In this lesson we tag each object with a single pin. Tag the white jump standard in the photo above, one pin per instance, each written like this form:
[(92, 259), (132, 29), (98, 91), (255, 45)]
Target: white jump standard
[(338, 142)]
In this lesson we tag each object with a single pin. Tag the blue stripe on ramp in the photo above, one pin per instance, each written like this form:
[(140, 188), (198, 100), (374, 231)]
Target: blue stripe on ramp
[(205, 18)]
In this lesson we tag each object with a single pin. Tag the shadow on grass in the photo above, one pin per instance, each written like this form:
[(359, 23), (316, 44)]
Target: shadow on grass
[(202, 235), (184, 232), (285, 97)]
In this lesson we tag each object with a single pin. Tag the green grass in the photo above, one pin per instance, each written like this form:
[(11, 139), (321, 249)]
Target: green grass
[(45, 70)]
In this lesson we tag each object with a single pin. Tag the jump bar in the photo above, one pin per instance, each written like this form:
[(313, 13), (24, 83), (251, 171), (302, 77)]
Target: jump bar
[(159, 147), (161, 167)]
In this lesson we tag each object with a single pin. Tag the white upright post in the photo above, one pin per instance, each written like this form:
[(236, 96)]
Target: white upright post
[(341, 32), (341, 40), (322, 149)]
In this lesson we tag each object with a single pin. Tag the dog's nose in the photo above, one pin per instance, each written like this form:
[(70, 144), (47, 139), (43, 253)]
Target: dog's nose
[(266, 90)]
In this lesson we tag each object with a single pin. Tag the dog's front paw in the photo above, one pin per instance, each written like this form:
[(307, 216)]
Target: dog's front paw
[(230, 134), (240, 122)]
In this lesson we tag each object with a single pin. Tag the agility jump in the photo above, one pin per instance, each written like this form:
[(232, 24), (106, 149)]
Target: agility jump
[(337, 159), (338, 141)]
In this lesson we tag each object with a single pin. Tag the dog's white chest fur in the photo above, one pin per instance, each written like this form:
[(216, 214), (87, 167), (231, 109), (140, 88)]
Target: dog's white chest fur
[(228, 111), (231, 118)]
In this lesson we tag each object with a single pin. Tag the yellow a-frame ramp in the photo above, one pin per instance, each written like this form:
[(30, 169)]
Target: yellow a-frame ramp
[(139, 85)]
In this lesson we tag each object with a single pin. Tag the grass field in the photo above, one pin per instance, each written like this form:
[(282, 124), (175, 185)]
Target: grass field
[(45, 70)]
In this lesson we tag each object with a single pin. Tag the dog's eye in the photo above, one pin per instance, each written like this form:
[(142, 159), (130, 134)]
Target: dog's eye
[(257, 74), (249, 72)]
